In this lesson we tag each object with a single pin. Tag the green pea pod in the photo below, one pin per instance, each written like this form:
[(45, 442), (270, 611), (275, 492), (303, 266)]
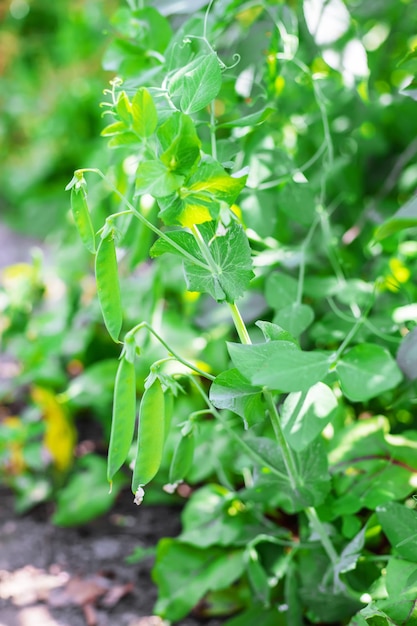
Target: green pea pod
[(150, 435), (82, 218), (123, 419), (108, 288), (183, 458), (169, 410)]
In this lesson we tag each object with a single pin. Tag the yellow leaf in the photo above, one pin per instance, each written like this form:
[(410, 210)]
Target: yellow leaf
[(60, 435)]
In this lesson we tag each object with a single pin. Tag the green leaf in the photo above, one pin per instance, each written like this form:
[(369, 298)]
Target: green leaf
[(232, 391), (279, 365), (144, 113), (280, 290), (312, 470), (366, 371), (86, 495), (370, 467), (154, 178), (399, 523), (295, 318), (273, 332), (200, 198), (297, 201), (304, 415), (351, 553), (197, 83), (180, 143), (406, 217), (116, 128), (232, 255), (200, 571), (213, 516), (252, 120)]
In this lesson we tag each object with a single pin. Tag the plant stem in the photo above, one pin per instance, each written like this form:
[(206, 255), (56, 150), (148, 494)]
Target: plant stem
[(143, 219), (282, 442), (239, 324), (192, 367), (317, 525), (292, 472)]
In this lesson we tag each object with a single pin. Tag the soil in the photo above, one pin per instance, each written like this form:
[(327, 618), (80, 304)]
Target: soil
[(52, 576)]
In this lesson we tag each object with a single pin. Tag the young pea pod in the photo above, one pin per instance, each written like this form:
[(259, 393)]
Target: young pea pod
[(151, 435), (82, 217), (123, 419), (108, 288), (183, 457)]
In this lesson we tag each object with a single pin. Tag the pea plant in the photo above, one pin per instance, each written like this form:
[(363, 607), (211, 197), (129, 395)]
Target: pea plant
[(271, 398)]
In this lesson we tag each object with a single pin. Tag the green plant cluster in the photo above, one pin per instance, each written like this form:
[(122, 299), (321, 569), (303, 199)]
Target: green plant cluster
[(257, 276)]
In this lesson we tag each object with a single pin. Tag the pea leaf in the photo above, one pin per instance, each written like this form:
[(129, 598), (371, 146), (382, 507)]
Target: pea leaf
[(366, 371), (295, 318), (312, 469), (197, 83), (199, 199), (399, 523), (179, 143), (406, 217), (279, 365), (231, 253), (154, 178), (232, 391), (280, 290), (304, 415), (206, 521), (144, 116), (86, 495), (202, 570)]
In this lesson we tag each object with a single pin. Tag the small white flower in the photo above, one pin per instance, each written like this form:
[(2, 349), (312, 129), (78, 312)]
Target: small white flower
[(140, 492)]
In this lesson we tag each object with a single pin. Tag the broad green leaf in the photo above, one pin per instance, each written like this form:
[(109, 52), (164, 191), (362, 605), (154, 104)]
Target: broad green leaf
[(201, 570), (274, 332), (406, 217), (318, 593), (304, 415), (124, 108), (144, 115), (280, 290), (86, 495), (297, 201), (199, 199), (370, 467), (253, 119), (366, 371), (400, 605), (196, 84), (295, 318), (312, 470), (279, 365), (114, 129), (232, 391), (180, 143), (399, 523), (213, 516), (232, 255), (154, 178)]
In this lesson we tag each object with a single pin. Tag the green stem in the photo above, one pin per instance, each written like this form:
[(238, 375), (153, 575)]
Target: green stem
[(239, 324), (292, 473), (282, 442), (205, 250), (317, 525), (213, 131), (241, 442), (143, 219), (192, 367)]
